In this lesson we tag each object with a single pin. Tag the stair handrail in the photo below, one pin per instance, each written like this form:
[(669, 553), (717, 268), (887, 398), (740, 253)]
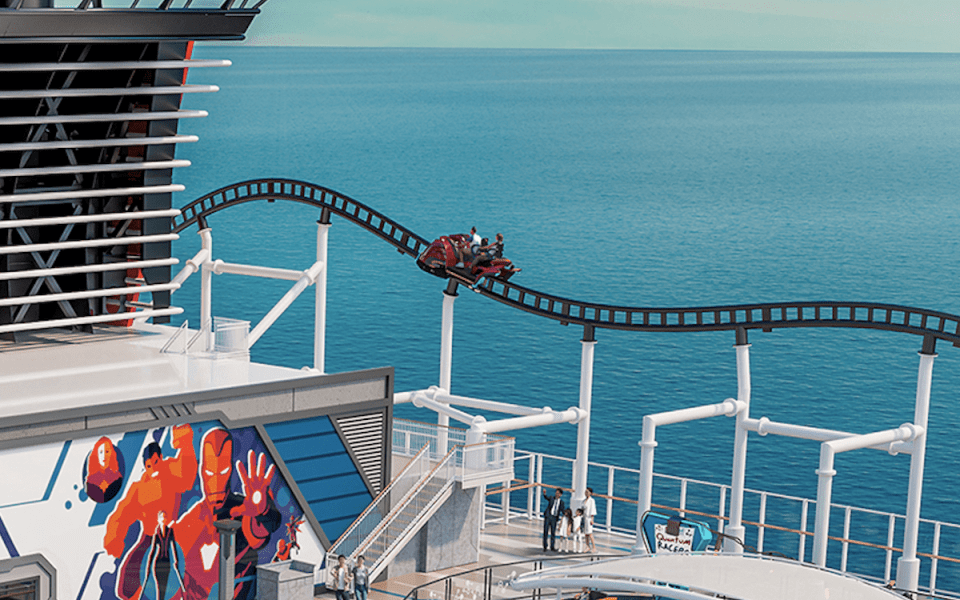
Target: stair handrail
[(335, 548), (451, 477)]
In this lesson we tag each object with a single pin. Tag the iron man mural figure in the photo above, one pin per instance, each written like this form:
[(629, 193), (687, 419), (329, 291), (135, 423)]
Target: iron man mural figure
[(255, 509)]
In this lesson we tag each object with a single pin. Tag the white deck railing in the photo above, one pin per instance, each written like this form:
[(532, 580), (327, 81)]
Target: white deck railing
[(775, 522), (488, 462)]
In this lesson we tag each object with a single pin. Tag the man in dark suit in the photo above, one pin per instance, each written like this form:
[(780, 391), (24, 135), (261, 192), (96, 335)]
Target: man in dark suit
[(551, 515)]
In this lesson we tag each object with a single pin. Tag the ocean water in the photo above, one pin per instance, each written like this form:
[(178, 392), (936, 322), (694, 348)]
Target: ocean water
[(627, 177)]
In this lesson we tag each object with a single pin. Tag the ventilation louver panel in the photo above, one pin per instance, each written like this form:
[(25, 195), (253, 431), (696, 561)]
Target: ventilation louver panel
[(365, 434), (88, 137)]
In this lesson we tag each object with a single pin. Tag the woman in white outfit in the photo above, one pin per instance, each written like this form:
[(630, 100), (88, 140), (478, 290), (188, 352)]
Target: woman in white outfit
[(589, 512)]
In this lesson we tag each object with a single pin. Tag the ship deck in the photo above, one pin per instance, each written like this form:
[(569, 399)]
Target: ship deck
[(515, 548), (500, 544)]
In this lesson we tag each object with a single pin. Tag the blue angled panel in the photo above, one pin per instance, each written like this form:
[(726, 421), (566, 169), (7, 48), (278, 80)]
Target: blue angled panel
[(323, 470)]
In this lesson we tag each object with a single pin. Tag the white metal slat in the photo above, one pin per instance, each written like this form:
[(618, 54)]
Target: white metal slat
[(94, 243), (161, 90), (119, 266), (107, 143), (363, 433), (120, 216), (167, 115), (100, 193), (143, 314), (101, 293), (113, 167), (114, 65)]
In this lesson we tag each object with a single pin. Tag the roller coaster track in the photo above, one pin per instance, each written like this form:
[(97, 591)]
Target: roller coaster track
[(932, 325)]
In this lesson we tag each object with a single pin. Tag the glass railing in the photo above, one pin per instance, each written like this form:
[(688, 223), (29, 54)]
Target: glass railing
[(413, 472), (416, 506)]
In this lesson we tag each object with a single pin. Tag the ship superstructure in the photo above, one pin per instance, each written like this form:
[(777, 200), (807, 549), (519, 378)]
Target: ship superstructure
[(124, 442), (89, 123)]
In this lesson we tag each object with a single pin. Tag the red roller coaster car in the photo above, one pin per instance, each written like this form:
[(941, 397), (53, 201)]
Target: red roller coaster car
[(450, 256)]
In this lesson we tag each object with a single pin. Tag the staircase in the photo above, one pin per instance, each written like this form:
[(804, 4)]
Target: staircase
[(379, 534), (419, 490), (413, 512)]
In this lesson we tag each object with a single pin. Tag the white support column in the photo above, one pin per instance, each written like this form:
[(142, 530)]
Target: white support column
[(648, 443), (531, 477), (471, 460), (206, 290), (505, 504), (826, 472), (735, 527), (192, 266), (583, 429), (320, 307), (446, 359), (908, 565), (609, 499), (538, 493)]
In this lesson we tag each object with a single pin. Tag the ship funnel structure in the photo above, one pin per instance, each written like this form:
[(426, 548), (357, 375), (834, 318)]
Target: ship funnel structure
[(90, 108), (27, 3)]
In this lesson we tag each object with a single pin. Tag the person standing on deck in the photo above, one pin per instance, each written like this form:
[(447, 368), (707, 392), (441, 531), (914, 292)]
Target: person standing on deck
[(360, 575), (341, 578), (589, 512), (550, 517)]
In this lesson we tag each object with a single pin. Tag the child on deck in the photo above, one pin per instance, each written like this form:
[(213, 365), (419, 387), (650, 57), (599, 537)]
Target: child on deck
[(577, 529), (565, 530)]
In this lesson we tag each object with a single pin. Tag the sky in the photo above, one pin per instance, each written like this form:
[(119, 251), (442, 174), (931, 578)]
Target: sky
[(828, 25)]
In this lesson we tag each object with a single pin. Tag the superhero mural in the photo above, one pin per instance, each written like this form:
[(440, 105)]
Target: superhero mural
[(146, 503)]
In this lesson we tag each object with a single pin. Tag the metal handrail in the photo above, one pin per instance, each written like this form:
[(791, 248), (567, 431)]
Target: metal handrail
[(413, 593), (383, 493), (407, 499)]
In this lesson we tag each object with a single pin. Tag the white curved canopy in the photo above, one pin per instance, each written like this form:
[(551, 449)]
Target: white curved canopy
[(708, 576)]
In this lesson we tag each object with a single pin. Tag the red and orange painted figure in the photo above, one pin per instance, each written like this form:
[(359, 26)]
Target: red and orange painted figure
[(285, 547), (255, 509), (154, 502), (103, 474), (283, 551)]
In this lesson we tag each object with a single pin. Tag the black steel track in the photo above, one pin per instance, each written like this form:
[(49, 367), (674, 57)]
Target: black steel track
[(930, 324)]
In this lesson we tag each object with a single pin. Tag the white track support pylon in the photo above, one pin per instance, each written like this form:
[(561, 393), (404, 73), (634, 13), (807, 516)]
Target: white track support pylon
[(206, 290), (446, 360), (320, 308), (908, 565), (588, 344), (648, 444), (735, 528)]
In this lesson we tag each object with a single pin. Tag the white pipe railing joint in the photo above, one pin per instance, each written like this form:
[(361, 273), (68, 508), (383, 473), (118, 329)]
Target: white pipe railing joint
[(906, 432), (197, 261), (422, 399), (192, 266), (729, 407), (314, 271)]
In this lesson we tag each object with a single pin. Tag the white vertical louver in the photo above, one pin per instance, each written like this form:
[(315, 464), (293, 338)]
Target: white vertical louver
[(364, 435)]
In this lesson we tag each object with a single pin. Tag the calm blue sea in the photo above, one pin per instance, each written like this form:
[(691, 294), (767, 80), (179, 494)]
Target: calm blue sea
[(627, 177)]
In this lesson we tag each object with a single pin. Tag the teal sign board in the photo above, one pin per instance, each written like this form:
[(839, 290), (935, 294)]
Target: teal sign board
[(672, 534)]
